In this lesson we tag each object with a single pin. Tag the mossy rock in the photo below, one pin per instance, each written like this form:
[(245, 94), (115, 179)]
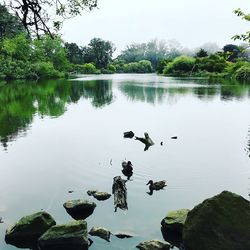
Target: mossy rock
[(175, 220), (73, 236), (219, 223), (100, 232), (79, 209), (153, 245), (25, 233)]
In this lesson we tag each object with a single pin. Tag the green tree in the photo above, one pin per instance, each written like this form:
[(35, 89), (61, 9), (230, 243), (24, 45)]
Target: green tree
[(47, 49), (180, 66), (201, 53), (46, 16), (245, 16), (74, 53), (231, 52), (10, 25), (98, 52)]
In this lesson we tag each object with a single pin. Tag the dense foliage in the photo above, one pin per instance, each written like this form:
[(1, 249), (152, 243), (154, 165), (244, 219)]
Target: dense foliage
[(44, 17)]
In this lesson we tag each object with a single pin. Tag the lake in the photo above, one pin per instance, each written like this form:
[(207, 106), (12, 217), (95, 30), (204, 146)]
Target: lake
[(62, 135)]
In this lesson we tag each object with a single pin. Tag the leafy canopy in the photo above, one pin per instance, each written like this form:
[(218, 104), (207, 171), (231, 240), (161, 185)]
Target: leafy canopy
[(46, 16)]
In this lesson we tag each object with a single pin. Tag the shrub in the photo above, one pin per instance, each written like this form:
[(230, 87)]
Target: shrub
[(180, 65), (243, 73), (46, 70), (212, 63)]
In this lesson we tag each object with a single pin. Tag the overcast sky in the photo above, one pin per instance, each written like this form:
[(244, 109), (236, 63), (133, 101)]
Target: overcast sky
[(191, 22)]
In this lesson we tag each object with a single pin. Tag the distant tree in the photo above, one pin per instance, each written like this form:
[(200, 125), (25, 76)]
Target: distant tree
[(231, 52), (74, 53), (201, 53), (10, 25), (152, 51), (46, 16), (98, 52)]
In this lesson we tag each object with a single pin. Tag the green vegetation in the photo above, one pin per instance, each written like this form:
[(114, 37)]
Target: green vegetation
[(48, 56)]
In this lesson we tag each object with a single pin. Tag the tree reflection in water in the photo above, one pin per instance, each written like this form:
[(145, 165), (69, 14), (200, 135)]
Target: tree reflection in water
[(21, 100)]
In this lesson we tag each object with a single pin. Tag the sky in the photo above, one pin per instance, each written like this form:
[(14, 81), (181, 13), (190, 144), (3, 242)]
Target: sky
[(190, 22)]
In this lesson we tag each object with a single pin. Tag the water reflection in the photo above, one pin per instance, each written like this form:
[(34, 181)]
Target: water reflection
[(247, 148), (20, 101), (204, 90)]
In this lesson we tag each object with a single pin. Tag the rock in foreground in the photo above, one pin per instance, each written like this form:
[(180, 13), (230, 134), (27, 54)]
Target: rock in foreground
[(100, 196), (153, 245), (100, 232), (28, 229), (219, 223), (79, 209), (175, 220), (72, 236)]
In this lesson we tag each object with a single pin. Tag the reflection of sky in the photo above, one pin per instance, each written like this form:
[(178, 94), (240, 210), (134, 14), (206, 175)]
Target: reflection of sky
[(73, 152)]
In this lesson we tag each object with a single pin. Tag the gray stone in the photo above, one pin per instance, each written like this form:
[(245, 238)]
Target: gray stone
[(71, 236), (28, 229), (219, 223), (79, 209), (100, 232), (153, 245), (100, 196)]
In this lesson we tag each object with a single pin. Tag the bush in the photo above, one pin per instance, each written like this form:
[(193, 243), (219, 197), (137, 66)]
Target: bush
[(89, 68), (180, 66), (212, 63), (46, 70), (243, 73)]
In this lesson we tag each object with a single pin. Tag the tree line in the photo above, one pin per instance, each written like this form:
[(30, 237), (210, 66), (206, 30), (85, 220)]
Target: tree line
[(47, 56)]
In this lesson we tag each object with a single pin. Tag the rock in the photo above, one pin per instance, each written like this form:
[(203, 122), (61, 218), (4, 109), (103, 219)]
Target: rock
[(1, 220), (100, 196), (79, 209), (128, 134), (221, 222), (174, 137), (28, 229), (153, 245), (73, 236), (100, 232), (123, 236), (175, 220)]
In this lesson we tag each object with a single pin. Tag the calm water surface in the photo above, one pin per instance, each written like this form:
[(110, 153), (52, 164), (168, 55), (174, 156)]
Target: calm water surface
[(58, 136)]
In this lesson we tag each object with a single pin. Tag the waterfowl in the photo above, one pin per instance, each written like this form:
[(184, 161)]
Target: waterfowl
[(127, 166), (156, 185)]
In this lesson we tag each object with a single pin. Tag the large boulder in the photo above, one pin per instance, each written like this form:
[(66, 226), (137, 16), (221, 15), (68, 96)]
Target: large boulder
[(219, 223), (79, 209), (25, 233), (73, 236), (100, 232), (153, 245)]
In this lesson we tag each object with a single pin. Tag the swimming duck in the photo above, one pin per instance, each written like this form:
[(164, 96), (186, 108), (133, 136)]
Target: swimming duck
[(127, 166), (156, 185)]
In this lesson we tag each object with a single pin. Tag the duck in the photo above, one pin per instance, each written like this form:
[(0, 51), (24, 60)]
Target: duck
[(127, 166), (156, 185)]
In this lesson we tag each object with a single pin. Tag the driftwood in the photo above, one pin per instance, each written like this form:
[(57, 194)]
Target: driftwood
[(120, 193), (147, 141)]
